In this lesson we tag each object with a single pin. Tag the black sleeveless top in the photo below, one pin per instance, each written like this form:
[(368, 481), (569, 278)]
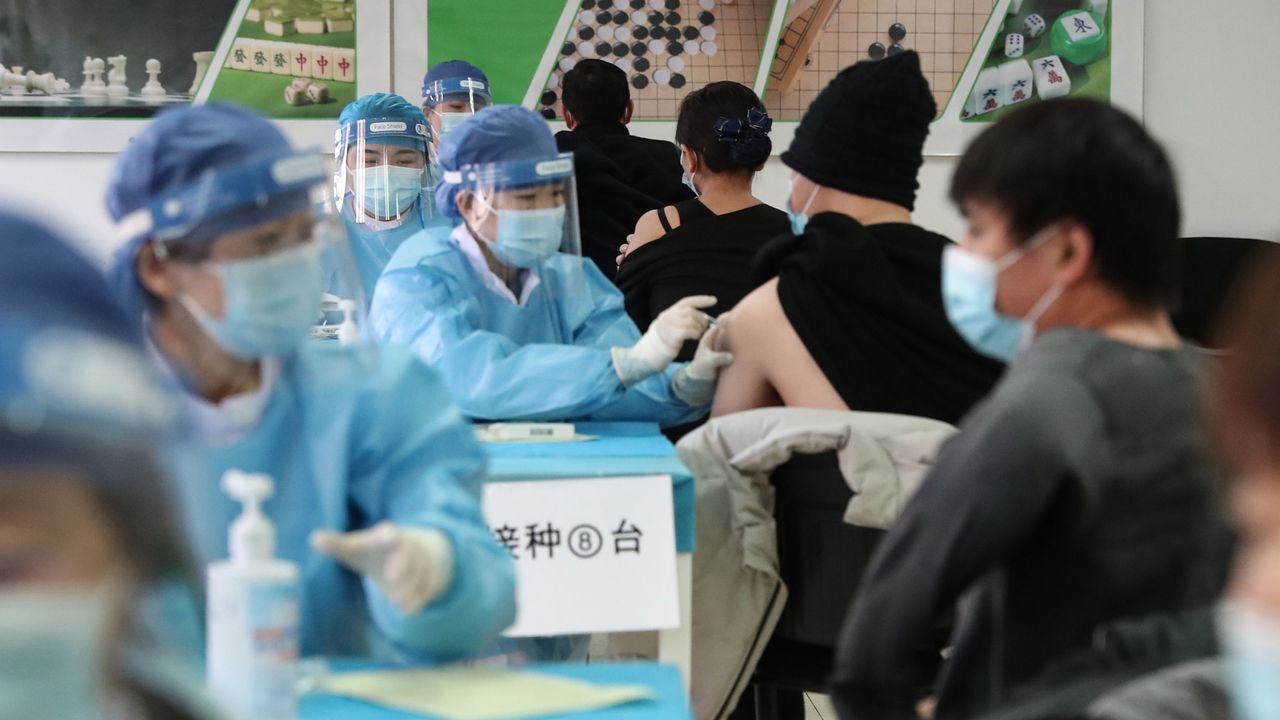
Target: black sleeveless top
[(708, 254)]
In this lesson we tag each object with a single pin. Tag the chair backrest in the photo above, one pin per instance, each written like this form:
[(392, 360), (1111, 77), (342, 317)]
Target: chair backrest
[(1211, 268)]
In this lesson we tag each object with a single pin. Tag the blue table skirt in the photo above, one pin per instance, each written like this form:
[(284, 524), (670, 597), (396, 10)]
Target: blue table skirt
[(670, 704), (622, 449)]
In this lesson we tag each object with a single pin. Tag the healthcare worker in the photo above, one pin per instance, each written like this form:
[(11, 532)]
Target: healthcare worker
[(87, 532), (380, 179), (453, 91), (507, 310), (374, 468)]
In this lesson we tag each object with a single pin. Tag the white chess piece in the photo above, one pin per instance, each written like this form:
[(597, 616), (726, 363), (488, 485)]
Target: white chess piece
[(48, 83), (118, 89), (203, 60), (153, 89), (88, 75), (13, 80)]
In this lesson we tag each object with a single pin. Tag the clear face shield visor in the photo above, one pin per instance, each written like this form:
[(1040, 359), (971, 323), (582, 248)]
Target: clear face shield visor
[(525, 213), (381, 173), (270, 231), (448, 103)]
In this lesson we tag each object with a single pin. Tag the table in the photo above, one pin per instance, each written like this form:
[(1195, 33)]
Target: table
[(622, 449), (671, 704)]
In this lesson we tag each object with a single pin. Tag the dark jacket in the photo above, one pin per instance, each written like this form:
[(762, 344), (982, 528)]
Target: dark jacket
[(620, 177)]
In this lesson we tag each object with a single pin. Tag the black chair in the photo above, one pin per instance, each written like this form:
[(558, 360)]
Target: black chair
[(1211, 268), (821, 559)]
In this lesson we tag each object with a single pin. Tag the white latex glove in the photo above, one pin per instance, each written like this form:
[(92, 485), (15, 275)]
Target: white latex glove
[(413, 566), (696, 382), (661, 344)]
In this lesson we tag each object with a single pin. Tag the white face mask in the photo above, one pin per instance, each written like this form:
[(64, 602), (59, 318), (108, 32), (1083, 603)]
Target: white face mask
[(51, 650)]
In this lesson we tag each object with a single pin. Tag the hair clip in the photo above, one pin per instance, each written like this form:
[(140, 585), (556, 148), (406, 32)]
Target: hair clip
[(730, 131)]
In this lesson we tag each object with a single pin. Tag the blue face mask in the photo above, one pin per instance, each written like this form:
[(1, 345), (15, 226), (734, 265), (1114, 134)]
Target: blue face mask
[(390, 190), (1251, 638), (271, 302), (50, 642), (969, 298), (527, 237), (687, 178), (451, 120), (798, 219)]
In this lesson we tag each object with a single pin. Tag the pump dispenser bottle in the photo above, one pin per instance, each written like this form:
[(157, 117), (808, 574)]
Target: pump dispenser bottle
[(253, 612)]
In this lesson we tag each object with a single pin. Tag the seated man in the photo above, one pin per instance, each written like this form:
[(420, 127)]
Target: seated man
[(620, 177), (852, 318), (1080, 493)]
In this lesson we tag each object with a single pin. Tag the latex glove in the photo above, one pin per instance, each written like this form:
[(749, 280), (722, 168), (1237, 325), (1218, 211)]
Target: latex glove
[(659, 346), (413, 566), (696, 382)]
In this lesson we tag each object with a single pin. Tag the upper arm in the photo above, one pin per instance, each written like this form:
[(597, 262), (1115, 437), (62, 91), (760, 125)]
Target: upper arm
[(744, 384), (648, 229)]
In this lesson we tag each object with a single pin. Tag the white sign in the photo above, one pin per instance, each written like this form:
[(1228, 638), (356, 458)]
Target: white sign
[(592, 555)]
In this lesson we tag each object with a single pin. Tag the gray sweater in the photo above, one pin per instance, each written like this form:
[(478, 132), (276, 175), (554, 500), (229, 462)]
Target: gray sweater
[(1078, 494)]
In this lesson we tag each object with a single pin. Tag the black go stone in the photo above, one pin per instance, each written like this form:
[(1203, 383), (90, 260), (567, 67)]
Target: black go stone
[(620, 18), (549, 113), (588, 4), (603, 49), (586, 33), (640, 32), (604, 17), (691, 33), (706, 18), (673, 4), (675, 48), (876, 51), (677, 81), (655, 18), (641, 64), (639, 82), (639, 48), (897, 31), (673, 18), (604, 4), (637, 4), (673, 34), (621, 49), (549, 97), (568, 49), (896, 48)]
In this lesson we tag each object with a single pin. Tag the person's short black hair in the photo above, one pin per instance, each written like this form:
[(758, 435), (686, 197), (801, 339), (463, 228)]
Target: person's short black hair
[(702, 109), (1084, 160), (595, 92)]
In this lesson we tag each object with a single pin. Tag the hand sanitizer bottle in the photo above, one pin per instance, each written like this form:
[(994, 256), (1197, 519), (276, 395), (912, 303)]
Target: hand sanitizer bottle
[(348, 331), (253, 613)]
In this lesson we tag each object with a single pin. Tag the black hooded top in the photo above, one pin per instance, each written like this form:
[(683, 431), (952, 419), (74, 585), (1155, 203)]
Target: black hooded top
[(620, 177)]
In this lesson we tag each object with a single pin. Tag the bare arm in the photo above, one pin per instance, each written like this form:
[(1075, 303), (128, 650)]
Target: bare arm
[(771, 366), (648, 229)]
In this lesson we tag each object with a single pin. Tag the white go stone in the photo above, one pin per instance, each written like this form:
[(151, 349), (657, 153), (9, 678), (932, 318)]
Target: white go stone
[(708, 32), (709, 48), (676, 64), (605, 32), (691, 47), (662, 76)]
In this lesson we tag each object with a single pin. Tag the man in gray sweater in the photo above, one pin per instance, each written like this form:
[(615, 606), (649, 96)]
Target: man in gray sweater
[(1079, 493)]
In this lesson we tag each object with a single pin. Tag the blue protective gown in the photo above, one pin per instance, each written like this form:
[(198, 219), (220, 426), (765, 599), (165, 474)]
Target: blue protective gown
[(548, 359), (353, 436), (373, 248)]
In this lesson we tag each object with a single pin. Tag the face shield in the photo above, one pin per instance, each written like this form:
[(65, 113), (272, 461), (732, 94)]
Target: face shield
[(447, 103), (525, 212), (381, 173), (252, 249)]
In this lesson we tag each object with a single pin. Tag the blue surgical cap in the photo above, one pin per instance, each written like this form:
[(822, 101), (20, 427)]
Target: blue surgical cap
[(497, 134), (180, 148), (447, 74), (383, 118), (71, 358)]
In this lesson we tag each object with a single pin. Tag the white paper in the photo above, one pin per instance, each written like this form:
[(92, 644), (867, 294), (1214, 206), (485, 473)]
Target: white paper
[(592, 555)]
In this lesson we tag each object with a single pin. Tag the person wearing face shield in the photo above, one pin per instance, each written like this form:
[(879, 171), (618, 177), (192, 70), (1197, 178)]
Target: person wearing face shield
[(453, 91), (377, 476), (507, 310), (380, 179), (1080, 494), (88, 536)]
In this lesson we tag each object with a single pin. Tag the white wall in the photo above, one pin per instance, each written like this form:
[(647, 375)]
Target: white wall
[(1210, 95)]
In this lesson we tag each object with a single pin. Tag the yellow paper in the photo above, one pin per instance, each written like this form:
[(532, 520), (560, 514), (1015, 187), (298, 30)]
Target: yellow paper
[(479, 693)]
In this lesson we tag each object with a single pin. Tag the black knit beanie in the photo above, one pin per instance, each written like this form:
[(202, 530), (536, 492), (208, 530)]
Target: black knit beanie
[(865, 132)]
